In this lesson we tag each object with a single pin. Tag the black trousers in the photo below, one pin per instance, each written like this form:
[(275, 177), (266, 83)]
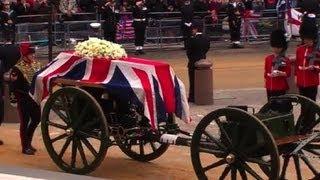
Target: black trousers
[(186, 33), (29, 113), (110, 33), (139, 33), (235, 26), (191, 72), (307, 116)]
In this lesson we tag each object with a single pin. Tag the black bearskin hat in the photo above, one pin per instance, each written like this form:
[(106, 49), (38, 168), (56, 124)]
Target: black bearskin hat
[(278, 39), (308, 29)]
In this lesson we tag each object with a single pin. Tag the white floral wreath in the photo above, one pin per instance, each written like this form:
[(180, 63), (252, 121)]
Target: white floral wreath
[(98, 48)]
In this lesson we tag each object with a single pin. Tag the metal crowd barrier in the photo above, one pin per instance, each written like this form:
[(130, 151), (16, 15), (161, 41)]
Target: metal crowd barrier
[(163, 29)]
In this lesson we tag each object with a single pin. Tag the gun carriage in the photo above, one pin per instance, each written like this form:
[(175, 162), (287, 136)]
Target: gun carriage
[(81, 120)]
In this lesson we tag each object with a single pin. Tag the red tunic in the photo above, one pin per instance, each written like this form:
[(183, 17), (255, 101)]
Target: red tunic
[(305, 78), (276, 83)]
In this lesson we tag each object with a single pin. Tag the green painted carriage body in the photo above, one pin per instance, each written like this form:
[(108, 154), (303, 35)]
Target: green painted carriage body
[(279, 124)]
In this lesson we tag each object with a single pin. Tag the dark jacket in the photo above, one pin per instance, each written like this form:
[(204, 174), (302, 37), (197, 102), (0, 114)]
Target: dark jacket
[(187, 12), (111, 17), (21, 85), (9, 55), (232, 11), (140, 13), (197, 48)]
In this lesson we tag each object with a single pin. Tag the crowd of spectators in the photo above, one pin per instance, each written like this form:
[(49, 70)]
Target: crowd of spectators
[(31, 7)]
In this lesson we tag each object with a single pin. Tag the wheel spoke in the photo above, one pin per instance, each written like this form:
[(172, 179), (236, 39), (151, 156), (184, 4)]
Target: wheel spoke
[(298, 168), (89, 146), (64, 147), (312, 146), (141, 147), (82, 154), (225, 173), (214, 165), (243, 173), (308, 163), (74, 153), (284, 167), (312, 151), (59, 137), (233, 173), (65, 105), (224, 132), (59, 126), (81, 116), (251, 171), (61, 115), (216, 141), (258, 161), (89, 135), (153, 146)]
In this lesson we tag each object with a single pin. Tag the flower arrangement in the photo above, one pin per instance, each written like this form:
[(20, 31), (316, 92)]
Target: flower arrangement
[(98, 48)]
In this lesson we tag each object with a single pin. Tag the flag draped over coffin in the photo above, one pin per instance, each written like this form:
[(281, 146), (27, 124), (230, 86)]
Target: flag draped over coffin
[(151, 84)]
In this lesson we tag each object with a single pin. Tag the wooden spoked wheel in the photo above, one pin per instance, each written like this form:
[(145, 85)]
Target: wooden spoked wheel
[(74, 130), (141, 143), (305, 160), (232, 144)]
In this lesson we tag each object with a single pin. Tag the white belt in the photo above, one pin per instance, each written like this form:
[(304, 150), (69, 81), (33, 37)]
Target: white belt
[(144, 19)]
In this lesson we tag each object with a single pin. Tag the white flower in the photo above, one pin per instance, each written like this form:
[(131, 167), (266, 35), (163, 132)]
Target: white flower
[(98, 48)]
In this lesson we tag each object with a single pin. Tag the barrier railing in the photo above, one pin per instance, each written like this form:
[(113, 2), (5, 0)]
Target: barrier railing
[(163, 29)]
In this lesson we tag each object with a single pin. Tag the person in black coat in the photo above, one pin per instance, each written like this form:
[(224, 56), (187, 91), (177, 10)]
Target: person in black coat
[(9, 56), (29, 111), (111, 17), (187, 13), (7, 20), (140, 15), (235, 10), (198, 46)]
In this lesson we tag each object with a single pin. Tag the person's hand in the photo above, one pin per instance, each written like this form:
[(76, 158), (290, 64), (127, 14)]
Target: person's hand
[(9, 21), (272, 74)]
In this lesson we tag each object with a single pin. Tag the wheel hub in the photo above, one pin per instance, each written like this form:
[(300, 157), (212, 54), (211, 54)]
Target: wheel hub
[(230, 158), (69, 132)]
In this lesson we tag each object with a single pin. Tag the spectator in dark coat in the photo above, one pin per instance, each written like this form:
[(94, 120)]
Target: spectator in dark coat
[(87, 5), (21, 7), (7, 20), (40, 7)]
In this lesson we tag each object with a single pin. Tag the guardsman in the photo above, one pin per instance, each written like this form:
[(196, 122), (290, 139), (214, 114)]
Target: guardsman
[(277, 68), (9, 56), (187, 12), (235, 10), (140, 21), (197, 48), (307, 69), (111, 17), (29, 111)]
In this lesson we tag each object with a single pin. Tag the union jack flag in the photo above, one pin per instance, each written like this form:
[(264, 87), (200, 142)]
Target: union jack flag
[(152, 84)]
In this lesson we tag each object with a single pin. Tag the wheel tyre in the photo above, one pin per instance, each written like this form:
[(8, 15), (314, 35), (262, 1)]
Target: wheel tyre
[(195, 143)]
